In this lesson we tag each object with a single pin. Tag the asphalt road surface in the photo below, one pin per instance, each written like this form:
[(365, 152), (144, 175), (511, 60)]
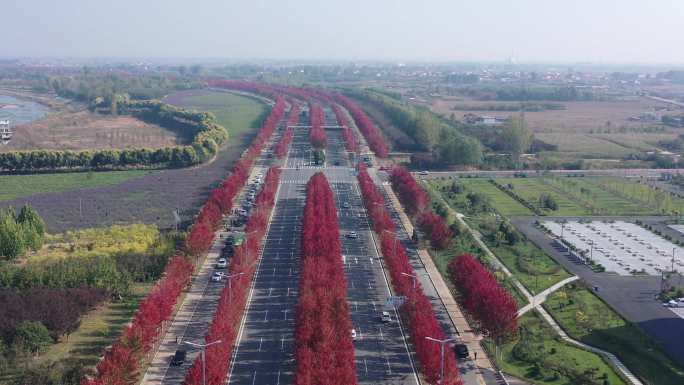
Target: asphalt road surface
[(264, 353)]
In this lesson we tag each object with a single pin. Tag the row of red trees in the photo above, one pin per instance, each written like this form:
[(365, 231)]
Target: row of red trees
[(324, 350), (286, 139), (417, 310), (347, 133), (490, 304), (121, 363), (365, 124), (231, 303), (317, 133), (416, 201)]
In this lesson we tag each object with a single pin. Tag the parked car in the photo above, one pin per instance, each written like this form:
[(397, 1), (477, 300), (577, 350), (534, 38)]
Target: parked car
[(423, 173), (353, 334), (385, 317), (178, 358), (221, 263), (346, 205), (352, 235), (461, 351), (217, 276)]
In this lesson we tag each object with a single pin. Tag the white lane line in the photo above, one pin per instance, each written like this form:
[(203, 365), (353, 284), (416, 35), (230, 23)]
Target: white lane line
[(270, 290), (365, 364), (389, 368), (382, 337), (278, 382), (266, 316), (288, 291), (261, 341), (285, 311), (373, 303), (282, 343), (254, 378)]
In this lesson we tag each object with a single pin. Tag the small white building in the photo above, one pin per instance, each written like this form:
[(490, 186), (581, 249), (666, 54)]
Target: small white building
[(5, 131)]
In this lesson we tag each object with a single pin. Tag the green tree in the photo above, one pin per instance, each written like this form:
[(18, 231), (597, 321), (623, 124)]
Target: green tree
[(33, 335), (516, 138), (33, 226), (12, 244)]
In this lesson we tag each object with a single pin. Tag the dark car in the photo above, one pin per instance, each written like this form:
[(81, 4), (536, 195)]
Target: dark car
[(178, 358), (461, 351)]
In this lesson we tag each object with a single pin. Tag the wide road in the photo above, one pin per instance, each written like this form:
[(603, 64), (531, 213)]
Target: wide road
[(264, 353)]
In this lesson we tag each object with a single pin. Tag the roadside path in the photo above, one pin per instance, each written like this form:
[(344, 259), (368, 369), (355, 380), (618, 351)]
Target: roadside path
[(538, 299)]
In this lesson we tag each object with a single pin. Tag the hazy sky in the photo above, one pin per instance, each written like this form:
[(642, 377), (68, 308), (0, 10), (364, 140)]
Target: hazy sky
[(639, 31)]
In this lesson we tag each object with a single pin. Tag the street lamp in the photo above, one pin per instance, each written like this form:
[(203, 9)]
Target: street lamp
[(203, 348), (414, 278), (441, 351), (230, 285)]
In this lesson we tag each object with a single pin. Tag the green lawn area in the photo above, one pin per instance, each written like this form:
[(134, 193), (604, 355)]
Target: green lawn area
[(529, 264), (600, 201), (537, 356), (15, 186), (657, 201), (234, 112), (501, 201), (586, 318), (531, 188)]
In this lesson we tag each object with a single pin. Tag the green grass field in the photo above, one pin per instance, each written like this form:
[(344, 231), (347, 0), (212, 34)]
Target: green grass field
[(640, 194), (599, 201), (15, 186), (531, 188), (501, 201), (530, 265), (236, 113), (588, 319), (537, 356)]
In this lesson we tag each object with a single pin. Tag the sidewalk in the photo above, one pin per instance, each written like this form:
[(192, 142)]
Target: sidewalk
[(541, 297), (468, 337)]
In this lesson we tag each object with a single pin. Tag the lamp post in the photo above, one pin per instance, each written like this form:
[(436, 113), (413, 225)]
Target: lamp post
[(230, 285), (203, 348), (441, 351)]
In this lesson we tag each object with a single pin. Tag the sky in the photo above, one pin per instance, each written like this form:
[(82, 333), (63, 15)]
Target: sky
[(596, 31)]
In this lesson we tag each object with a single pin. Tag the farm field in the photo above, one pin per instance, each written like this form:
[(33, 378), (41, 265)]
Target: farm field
[(588, 319), (234, 112), (578, 116), (16, 186), (149, 198), (86, 130), (537, 355)]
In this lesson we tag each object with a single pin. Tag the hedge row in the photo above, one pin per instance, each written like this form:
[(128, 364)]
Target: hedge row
[(206, 136)]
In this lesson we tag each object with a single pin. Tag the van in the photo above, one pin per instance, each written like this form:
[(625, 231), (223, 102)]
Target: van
[(178, 358)]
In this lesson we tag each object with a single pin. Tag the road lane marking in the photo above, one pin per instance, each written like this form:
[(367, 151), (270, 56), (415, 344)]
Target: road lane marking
[(261, 341), (266, 316)]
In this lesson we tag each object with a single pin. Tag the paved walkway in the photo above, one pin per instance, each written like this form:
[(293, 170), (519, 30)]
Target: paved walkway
[(536, 305), (541, 297)]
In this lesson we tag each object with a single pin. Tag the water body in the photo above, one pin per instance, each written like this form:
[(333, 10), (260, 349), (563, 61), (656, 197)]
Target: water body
[(20, 111)]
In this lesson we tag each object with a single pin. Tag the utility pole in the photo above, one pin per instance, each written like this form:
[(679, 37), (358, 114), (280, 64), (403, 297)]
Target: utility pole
[(441, 351), (203, 348), (230, 285)]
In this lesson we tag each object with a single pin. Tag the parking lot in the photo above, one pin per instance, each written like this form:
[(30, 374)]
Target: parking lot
[(621, 247)]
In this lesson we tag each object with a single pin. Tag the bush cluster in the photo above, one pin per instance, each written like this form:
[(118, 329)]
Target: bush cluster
[(19, 233)]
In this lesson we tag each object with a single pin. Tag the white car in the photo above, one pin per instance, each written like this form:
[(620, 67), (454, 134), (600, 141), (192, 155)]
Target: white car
[(353, 334), (346, 205), (386, 317), (423, 173), (352, 235), (222, 263), (217, 276)]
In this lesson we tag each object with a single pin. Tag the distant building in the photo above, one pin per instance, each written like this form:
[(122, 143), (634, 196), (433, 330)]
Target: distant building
[(484, 120), (5, 132)]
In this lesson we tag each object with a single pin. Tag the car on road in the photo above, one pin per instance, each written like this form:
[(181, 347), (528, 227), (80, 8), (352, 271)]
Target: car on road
[(352, 235), (178, 358), (385, 317), (221, 263), (336, 163), (423, 173), (217, 276), (461, 351), (353, 334), (346, 205)]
